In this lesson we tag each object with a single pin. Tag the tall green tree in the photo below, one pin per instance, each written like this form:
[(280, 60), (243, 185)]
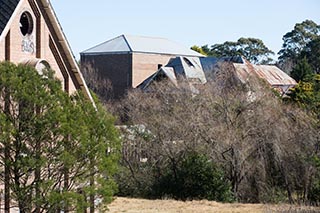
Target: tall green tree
[(49, 139), (312, 53), (199, 50), (307, 95), (302, 71), (252, 49), (295, 41)]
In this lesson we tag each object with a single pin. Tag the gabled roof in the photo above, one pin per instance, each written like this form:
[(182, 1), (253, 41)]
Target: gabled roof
[(163, 72), (141, 44), (7, 7), (7, 11), (188, 67)]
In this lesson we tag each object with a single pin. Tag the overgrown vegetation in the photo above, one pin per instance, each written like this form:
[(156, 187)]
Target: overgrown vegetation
[(244, 129), (248, 143)]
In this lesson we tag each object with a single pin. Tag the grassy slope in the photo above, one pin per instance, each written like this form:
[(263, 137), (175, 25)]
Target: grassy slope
[(129, 205)]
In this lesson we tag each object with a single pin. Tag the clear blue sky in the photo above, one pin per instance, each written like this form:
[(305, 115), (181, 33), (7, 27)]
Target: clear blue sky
[(90, 22)]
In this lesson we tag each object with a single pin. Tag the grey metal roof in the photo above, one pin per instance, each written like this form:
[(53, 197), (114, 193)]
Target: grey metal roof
[(7, 7), (168, 72), (190, 67), (142, 44), (115, 45)]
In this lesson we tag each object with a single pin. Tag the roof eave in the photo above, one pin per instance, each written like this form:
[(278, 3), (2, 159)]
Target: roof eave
[(66, 47), (105, 53), (7, 27), (143, 52)]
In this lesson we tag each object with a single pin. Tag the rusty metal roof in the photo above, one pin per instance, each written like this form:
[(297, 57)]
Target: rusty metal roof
[(272, 74)]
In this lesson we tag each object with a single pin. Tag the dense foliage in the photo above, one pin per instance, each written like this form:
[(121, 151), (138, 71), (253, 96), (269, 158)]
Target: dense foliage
[(196, 178), (54, 146), (252, 49), (301, 42)]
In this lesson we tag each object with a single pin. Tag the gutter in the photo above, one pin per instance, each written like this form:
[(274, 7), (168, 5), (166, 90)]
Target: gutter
[(66, 47)]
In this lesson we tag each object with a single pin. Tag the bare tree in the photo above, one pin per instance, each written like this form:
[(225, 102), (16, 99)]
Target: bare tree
[(243, 127)]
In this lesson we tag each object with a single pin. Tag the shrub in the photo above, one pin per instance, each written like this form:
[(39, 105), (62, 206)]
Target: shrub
[(195, 178)]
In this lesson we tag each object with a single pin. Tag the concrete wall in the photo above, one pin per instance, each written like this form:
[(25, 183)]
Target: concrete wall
[(145, 64), (108, 75)]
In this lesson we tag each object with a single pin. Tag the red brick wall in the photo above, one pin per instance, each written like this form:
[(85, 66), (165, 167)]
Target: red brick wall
[(145, 64), (18, 54), (108, 75)]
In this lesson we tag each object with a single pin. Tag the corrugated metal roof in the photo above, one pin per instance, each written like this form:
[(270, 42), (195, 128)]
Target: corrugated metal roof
[(142, 44), (272, 74), (7, 7)]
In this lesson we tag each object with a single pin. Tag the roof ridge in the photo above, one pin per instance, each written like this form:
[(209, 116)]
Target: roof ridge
[(145, 36), (142, 44), (102, 43), (127, 42)]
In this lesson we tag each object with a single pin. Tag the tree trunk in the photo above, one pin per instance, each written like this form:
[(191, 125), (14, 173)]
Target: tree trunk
[(6, 159), (66, 188), (6, 179), (37, 174), (66, 177), (287, 185), (92, 194), (37, 181)]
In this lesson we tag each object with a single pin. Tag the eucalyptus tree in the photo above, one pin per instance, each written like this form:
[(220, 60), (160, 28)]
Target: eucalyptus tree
[(252, 49), (296, 41)]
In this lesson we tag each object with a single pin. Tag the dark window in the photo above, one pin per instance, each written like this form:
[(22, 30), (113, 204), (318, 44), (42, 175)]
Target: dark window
[(190, 64), (26, 23), (159, 66), (160, 76)]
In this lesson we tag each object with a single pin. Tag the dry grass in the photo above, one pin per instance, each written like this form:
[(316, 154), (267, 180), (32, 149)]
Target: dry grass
[(130, 205)]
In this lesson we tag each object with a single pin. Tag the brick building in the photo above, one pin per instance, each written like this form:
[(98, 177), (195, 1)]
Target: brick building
[(126, 61), (31, 34)]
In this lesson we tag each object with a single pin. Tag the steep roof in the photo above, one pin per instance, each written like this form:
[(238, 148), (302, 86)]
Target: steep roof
[(7, 10), (142, 44), (7, 7)]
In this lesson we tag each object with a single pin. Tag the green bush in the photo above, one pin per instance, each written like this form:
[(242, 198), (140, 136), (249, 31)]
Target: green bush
[(195, 178), (314, 194)]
